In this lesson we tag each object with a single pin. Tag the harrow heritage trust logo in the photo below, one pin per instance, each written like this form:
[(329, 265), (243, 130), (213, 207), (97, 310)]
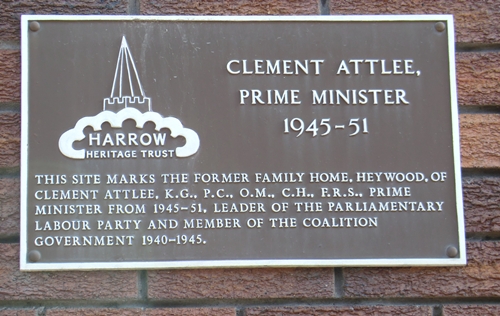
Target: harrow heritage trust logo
[(124, 105)]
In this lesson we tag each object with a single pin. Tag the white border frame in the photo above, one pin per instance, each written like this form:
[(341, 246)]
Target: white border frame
[(27, 266)]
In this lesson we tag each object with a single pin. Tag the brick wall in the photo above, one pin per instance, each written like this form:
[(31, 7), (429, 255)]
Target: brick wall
[(470, 290)]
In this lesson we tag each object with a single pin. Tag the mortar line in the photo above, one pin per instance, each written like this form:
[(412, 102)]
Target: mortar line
[(339, 282), (437, 310), (241, 311), (479, 109), (480, 172), (324, 7), (143, 284), (242, 304), (483, 236), (13, 172), (10, 107), (133, 7), (10, 45), (14, 239), (476, 47)]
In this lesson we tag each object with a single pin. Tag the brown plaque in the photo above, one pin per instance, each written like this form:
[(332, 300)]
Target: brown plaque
[(172, 142)]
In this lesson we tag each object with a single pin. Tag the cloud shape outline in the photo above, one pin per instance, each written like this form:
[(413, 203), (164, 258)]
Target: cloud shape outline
[(116, 120)]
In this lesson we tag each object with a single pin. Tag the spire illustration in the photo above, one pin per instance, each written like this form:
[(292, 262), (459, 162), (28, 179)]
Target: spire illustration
[(127, 89)]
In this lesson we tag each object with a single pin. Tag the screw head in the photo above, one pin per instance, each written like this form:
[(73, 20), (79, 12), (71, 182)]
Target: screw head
[(34, 26), (440, 26), (451, 251), (34, 256)]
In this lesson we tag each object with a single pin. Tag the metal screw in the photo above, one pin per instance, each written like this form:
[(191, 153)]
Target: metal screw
[(34, 256), (440, 26), (34, 26), (451, 251)]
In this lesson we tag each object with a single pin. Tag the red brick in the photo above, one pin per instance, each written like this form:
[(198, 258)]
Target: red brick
[(475, 21), (478, 78), (241, 283), (191, 312), (480, 140), (221, 7), (11, 10), (94, 312), (480, 278), (10, 139), (17, 285), (467, 310), (144, 312), (18, 312), (10, 76), (344, 311), (481, 204), (9, 207)]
